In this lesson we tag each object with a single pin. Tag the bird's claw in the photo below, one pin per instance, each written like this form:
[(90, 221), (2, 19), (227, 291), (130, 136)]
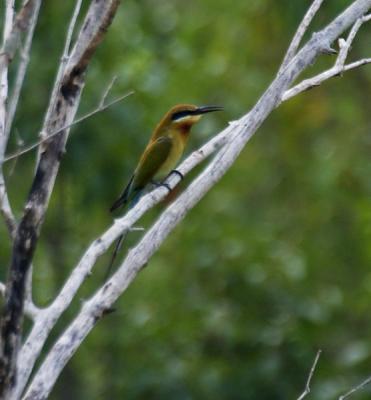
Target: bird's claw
[(176, 172), (162, 184)]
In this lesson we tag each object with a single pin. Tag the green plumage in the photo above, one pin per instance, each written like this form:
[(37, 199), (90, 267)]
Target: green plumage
[(163, 151)]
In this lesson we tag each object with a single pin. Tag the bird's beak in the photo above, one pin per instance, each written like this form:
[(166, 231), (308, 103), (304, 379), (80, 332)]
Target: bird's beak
[(206, 109)]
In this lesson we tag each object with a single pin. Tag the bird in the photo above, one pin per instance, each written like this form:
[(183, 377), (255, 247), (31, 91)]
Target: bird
[(163, 151)]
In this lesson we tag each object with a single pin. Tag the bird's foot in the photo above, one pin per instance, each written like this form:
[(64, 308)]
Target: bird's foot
[(163, 184), (176, 172)]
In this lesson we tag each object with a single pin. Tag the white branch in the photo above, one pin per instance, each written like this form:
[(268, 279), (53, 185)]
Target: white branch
[(295, 43), (346, 45), (61, 112), (317, 80), (22, 68), (8, 24), (13, 26), (5, 208), (339, 66), (61, 69), (8, 19), (236, 135), (356, 389), (310, 376), (25, 20)]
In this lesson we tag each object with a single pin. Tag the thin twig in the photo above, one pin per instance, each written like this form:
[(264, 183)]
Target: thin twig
[(22, 68), (105, 94), (294, 45), (62, 65), (78, 120), (4, 64), (5, 207), (71, 28), (339, 66), (20, 145), (20, 24), (356, 388), (6, 210), (317, 80), (310, 376), (346, 45)]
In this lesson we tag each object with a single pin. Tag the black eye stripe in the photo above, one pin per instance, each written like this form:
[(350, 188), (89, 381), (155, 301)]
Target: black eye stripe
[(182, 114)]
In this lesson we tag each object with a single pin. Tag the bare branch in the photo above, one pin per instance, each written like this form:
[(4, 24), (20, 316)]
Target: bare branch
[(339, 66), (310, 376), (21, 24), (5, 208), (356, 389), (8, 24), (71, 28), (61, 112), (99, 109), (239, 133), (105, 94), (317, 80), (346, 45), (22, 68), (8, 19), (295, 43), (61, 69), (6, 116)]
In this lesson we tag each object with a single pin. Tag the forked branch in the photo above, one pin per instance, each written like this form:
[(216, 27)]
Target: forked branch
[(310, 376), (62, 109)]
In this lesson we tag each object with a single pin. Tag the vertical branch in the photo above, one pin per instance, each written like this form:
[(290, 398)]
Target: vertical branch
[(5, 208), (8, 18), (22, 68), (11, 40), (310, 376), (4, 201), (62, 109), (62, 65), (8, 24), (295, 43)]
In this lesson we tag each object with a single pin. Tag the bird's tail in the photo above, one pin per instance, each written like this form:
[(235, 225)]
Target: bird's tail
[(124, 198), (114, 254)]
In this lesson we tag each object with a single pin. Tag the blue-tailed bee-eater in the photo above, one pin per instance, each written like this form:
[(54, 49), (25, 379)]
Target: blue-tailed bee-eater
[(163, 151)]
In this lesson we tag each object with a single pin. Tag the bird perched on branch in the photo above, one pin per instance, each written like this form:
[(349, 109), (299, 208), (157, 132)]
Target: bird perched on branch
[(163, 151)]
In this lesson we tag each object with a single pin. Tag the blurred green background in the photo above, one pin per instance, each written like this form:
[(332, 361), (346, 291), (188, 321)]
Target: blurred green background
[(273, 264)]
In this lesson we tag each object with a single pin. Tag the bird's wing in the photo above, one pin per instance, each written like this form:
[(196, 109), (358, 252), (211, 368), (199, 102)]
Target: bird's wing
[(153, 157), (151, 161)]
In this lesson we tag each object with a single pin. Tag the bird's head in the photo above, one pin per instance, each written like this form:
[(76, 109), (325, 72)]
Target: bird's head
[(183, 116)]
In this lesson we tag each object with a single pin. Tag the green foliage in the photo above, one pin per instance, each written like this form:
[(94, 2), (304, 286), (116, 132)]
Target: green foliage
[(272, 265)]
